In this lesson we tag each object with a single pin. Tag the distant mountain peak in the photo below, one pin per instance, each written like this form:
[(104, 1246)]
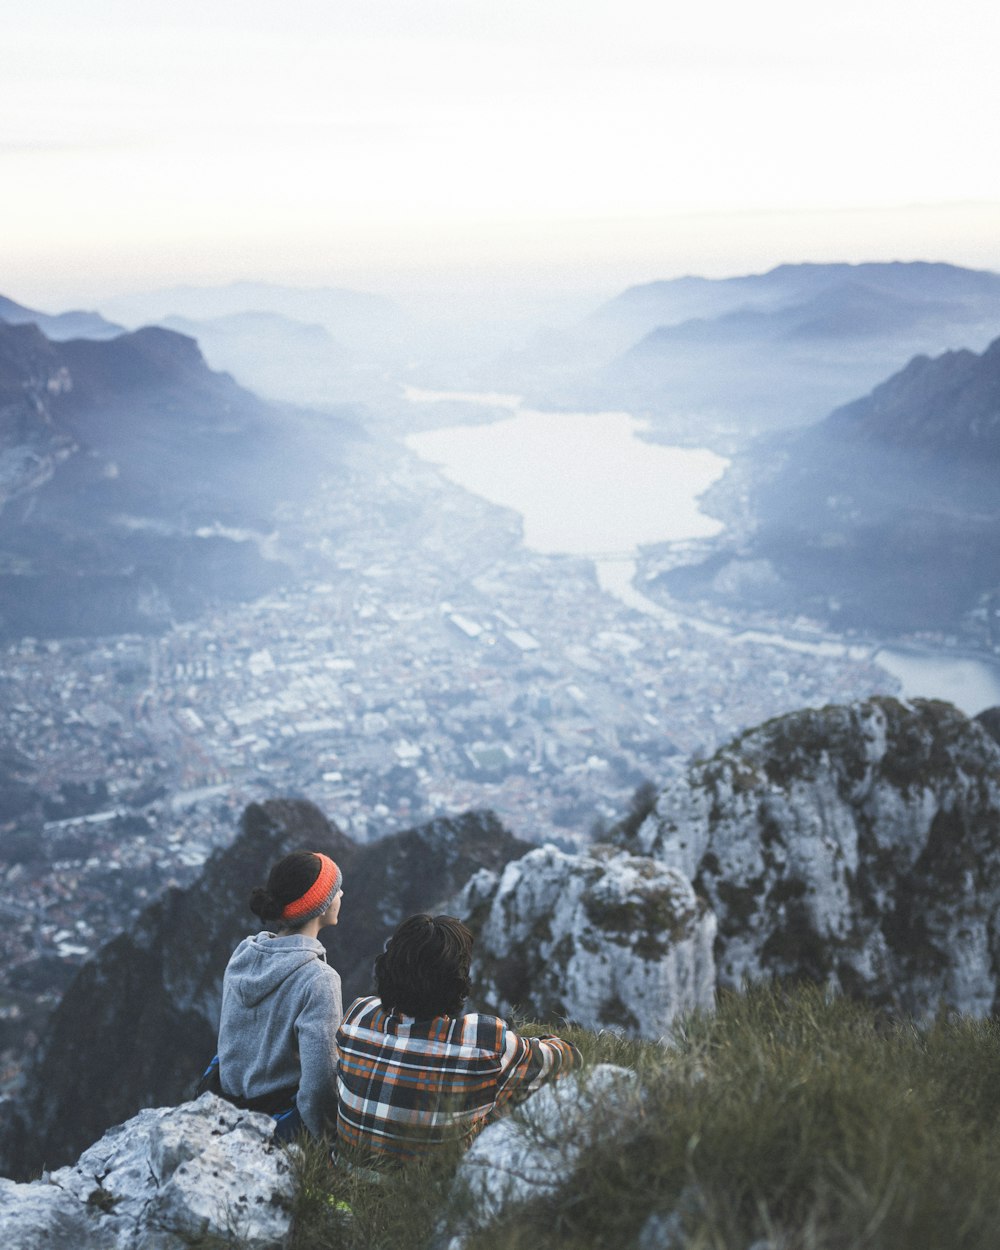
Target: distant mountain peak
[(677, 299), (59, 326), (138, 426), (948, 404)]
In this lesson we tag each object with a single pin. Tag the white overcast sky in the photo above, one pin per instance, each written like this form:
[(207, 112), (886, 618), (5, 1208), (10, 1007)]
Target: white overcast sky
[(386, 142)]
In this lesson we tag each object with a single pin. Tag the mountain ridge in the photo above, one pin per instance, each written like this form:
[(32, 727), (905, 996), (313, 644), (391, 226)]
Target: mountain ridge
[(361, 320), (119, 461), (948, 405), (59, 326), (141, 1017), (884, 517), (727, 359), (791, 282)]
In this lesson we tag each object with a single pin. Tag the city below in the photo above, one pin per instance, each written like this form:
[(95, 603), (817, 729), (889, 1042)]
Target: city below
[(439, 667)]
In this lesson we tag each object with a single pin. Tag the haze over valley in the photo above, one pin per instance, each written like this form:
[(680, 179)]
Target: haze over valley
[(408, 602), (544, 457)]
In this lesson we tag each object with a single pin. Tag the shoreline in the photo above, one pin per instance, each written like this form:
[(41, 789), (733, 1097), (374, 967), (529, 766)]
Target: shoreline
[(908, 661)]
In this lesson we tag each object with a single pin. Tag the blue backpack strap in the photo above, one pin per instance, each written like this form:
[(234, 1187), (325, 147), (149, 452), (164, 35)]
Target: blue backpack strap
[(279, 1104), (210, 1082), (287, 1124)]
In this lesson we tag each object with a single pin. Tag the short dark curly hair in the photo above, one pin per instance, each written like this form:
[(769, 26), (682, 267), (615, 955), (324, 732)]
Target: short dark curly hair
[(424, 969)]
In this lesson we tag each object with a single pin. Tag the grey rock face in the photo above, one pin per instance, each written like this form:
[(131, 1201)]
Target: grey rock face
[(856, 845), (990, 721), (38, 1217), (606, 939), (166, 1179), (533, 1153)]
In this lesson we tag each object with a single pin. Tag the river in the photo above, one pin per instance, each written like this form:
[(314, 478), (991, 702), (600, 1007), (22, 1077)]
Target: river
[(588, 484)]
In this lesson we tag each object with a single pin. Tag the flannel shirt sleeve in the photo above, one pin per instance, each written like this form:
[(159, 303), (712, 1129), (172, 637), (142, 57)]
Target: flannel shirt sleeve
[(527, 1063)]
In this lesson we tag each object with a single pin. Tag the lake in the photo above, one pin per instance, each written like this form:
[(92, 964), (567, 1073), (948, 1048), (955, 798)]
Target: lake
[(972, 685), (588, 484), (584, 483)]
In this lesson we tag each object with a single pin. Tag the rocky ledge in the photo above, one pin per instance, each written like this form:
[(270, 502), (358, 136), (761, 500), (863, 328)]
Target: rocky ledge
[(857, 846), (167, 1179), (608, 939)]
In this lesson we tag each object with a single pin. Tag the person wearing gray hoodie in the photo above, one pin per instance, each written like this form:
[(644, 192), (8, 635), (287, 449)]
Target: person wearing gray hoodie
[(281, 1001)]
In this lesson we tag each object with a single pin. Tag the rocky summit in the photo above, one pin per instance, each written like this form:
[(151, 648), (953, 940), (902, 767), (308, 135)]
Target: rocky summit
[(855, 846), (605, 938), (141, 1018), (858, 846)]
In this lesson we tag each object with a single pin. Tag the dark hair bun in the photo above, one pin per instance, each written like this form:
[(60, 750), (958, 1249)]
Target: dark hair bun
[(263, 905), (287, 881)]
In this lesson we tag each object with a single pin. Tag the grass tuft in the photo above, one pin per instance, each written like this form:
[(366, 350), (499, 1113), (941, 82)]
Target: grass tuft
[(336, 1210), (789, 1117)]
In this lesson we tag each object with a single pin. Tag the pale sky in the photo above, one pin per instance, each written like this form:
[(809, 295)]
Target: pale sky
[(573, 142)]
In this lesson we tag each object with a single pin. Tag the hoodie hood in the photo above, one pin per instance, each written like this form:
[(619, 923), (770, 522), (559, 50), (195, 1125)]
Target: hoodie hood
[(261, 963)]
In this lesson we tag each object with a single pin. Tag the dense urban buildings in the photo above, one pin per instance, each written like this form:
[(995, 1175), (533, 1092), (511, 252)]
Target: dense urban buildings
[(437, 666)]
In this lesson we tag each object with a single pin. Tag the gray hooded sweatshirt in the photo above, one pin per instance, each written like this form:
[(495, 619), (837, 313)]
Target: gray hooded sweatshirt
[(281, 1008)]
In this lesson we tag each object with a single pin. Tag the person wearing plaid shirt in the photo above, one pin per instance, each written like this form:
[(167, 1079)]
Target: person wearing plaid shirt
[(414, 1072)]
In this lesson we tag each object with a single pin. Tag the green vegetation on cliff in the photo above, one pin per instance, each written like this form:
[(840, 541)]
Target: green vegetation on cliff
[(789, 1118)]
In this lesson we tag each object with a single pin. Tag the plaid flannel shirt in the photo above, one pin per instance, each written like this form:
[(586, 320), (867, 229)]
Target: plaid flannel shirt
[(406, 1086)]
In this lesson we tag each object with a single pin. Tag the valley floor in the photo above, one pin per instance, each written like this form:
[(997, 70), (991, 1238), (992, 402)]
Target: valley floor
[(437, 666)]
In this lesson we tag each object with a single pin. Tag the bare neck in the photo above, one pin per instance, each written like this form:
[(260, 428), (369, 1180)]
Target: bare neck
[(311, 929)]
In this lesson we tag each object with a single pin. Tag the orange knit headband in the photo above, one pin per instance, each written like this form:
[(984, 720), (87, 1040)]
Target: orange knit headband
[(320, 894)]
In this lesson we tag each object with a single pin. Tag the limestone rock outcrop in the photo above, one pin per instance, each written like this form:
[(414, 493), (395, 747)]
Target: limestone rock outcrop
[(855, 845), (532, 1153), (168, 1179), (607, 939)]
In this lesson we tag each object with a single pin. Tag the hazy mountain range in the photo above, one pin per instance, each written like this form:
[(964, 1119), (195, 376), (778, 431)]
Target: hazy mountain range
[(368, 324), (133, 478), (132, 454), (59, 326), (286, 360), (906, 291), (704, 358), (884, 517), (707, 360)]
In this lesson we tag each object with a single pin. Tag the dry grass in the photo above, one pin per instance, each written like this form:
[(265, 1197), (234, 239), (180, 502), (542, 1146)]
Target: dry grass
[(811, 1123)]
